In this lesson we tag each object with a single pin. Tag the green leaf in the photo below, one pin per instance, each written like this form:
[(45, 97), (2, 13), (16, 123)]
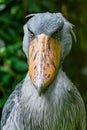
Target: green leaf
[(3, 100), (20, 66), (6, 78)]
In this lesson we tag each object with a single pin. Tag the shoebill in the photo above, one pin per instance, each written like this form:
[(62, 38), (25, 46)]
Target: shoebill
[(46, 99)]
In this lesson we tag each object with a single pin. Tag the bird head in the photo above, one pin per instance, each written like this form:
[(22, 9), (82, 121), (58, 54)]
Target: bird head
[(47, 41)]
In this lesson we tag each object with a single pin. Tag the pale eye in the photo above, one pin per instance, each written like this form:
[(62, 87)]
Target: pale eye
[(32, 35), (55, 34)]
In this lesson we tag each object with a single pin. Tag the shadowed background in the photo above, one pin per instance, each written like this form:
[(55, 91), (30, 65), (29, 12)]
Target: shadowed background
[(13, 63)]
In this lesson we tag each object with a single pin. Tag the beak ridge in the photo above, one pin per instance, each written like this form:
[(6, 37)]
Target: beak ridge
[(44, 60)]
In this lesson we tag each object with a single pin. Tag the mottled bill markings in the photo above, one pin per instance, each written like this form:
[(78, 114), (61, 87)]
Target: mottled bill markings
[(44, 60)]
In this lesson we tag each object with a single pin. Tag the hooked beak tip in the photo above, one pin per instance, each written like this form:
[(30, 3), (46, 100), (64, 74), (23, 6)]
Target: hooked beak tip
[(39, 90)]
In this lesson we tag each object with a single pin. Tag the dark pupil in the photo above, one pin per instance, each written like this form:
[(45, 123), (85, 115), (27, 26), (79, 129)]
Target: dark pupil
[(55, 34), (31, 35)]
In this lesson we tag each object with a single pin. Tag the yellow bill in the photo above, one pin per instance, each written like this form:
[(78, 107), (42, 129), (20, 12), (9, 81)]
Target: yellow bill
[(44, 61)]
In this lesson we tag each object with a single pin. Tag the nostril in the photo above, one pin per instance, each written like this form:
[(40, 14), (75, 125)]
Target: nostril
[(35, 55), (48, 46)]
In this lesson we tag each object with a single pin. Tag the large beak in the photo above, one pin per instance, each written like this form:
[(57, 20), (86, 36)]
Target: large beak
[(44, 61)]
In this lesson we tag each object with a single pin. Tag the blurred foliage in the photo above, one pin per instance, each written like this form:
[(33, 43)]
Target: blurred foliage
[(13, 63)]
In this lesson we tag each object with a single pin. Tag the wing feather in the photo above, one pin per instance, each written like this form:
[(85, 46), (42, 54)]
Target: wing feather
[(11, 115)]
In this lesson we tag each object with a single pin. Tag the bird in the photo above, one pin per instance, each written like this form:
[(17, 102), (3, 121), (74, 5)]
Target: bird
[(46, 99)]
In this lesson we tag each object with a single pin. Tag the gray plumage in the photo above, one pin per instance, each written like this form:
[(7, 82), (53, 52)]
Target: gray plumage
[(48, 23), (61, 106)]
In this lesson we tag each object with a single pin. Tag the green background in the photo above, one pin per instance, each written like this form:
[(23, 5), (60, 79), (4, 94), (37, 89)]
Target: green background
[(13, 63)]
